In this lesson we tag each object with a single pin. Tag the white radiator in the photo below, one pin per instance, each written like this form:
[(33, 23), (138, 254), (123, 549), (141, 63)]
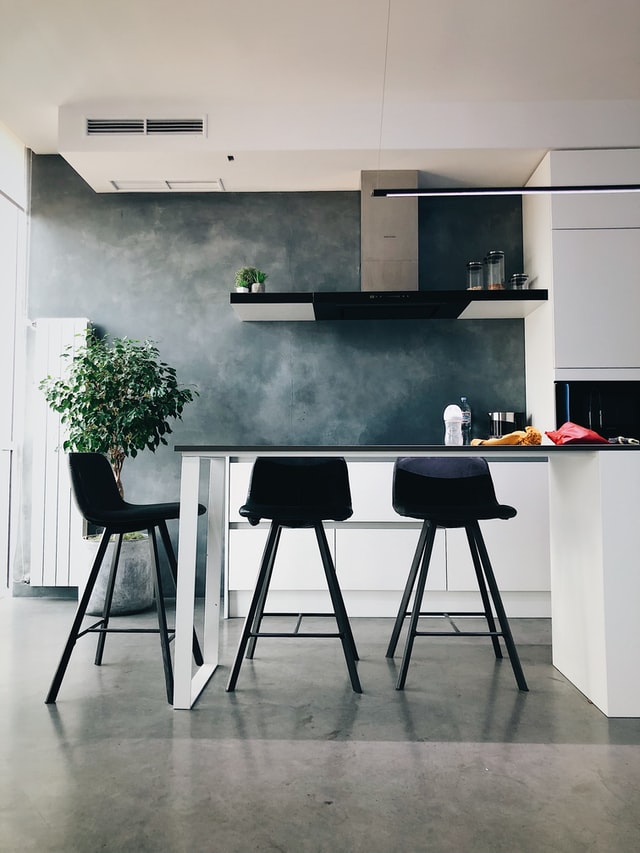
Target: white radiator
[(56, 524)]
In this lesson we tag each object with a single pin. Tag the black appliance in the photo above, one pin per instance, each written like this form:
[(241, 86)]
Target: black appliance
[(610, 408)]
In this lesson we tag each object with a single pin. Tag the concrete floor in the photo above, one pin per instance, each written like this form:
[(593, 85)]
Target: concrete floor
[(460, 762)]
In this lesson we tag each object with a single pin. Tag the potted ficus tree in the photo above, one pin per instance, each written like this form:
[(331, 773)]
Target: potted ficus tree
[(117, 397)]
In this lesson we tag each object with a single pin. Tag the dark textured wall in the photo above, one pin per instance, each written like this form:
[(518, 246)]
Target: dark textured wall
[(456, 230), (161, 266)]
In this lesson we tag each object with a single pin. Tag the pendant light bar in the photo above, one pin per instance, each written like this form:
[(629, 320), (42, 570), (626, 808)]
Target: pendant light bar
[(471, 191)]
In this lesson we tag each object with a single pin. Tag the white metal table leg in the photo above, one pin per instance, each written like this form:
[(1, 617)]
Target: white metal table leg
[(187, 685)]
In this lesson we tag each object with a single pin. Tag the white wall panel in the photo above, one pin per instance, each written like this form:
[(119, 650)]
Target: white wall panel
[(56, 524)]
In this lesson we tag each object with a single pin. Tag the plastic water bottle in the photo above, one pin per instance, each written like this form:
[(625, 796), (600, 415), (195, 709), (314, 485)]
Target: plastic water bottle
[(466, 420), (452, 425)]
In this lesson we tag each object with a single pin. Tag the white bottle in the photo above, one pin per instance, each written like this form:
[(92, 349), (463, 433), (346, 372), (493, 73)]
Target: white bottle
[(466, 420), (452, 425)]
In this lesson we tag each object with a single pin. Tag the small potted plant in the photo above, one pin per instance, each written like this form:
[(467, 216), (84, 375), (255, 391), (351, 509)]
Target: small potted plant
[(258, 285), (250, 279)]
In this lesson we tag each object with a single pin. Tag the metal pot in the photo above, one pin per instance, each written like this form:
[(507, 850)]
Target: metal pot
[(502, 423)]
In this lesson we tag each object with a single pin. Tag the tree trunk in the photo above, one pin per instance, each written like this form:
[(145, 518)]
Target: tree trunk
[(117, 458)]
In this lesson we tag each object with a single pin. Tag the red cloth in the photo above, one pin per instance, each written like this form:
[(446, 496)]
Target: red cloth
[(570, 433)]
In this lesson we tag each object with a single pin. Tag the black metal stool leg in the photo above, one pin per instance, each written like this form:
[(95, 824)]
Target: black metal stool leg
[(173, 565), (500, 611), (253, 607), (406, 595), (327, 560), (344, 627), (77, 621), (108, 599), (162, 615), (257, 622), (482, 586), (417, 605)]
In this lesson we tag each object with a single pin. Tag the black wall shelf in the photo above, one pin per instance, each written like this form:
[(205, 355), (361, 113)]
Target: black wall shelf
[(388, 305)]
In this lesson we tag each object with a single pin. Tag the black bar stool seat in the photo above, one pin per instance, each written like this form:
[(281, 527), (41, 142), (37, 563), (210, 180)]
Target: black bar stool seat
[(99, 501), (449, 492), (296, 492)]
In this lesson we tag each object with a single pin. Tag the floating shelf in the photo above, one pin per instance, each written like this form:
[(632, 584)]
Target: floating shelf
[(388, 305)]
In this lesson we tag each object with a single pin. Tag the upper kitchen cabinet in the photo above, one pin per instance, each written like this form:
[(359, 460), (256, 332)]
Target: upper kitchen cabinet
[(615, 210), (596, 300), (585, 251)]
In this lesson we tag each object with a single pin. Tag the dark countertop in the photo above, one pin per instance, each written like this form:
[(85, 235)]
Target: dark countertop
[(400, 449)]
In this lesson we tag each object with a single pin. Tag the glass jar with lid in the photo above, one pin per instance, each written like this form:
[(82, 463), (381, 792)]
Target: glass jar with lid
[(475, 275), (494, 270), (518, 281)]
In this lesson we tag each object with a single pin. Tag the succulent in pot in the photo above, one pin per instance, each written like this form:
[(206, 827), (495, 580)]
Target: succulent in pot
[(246, 277)]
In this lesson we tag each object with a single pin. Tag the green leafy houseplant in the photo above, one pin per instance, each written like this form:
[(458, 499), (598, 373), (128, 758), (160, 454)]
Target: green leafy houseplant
[(117, 398), (246, 276)]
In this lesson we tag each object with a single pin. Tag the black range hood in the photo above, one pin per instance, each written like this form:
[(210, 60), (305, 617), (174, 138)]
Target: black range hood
[(388, 305), (384, 305)]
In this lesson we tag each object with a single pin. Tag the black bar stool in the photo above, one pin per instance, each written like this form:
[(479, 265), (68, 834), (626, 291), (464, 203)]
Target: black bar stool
[(99, 501), (449, 492), (297, 492)]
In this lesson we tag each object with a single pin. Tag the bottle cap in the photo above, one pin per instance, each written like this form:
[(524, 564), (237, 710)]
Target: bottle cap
[(452, 413)]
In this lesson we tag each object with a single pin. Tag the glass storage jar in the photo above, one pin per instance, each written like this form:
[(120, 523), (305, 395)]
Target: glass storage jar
[(518, 281), (494, 270), (475, 275)]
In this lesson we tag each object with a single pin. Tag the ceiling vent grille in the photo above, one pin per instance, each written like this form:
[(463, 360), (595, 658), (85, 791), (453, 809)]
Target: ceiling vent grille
[(191, 126), (98, 126), (145, 127)]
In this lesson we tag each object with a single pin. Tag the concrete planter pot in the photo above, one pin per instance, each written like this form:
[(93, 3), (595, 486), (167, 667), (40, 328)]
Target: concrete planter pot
[(133, 591)]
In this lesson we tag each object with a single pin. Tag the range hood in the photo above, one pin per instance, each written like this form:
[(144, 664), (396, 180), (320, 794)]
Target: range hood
[(388, 305), (388, 233)]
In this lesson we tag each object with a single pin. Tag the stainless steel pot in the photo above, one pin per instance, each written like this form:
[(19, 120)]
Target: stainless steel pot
[(502, 423)]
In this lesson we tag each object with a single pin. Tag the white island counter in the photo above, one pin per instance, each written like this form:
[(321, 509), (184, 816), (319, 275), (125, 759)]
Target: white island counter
[(594, 502)]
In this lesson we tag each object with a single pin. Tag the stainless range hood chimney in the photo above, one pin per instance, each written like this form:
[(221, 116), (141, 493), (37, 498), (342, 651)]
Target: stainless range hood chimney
[(389, 232)]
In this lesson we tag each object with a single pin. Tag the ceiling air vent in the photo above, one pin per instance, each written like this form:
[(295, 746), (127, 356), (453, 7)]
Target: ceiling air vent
[(145, 127), (191, 126), (98, 126)]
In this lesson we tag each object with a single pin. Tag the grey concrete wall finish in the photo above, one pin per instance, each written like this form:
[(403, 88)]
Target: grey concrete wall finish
[(161, 266)]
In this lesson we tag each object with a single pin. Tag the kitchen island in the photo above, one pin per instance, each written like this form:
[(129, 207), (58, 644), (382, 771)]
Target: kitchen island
[(594, 501)]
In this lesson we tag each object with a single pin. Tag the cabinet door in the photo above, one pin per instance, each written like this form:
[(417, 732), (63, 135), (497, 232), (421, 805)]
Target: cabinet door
[(371, 486), (615, 210), (239, 477), (518, 548), (298, 565), (380, 559), (596, 298)]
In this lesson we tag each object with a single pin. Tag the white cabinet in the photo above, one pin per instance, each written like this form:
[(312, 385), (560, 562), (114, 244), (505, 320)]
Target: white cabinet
[(519, 547), (596, 298), (584, 249), (597, 210), (374, 549)]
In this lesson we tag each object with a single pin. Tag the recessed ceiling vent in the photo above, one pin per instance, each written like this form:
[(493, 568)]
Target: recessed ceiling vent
[(145, 127)]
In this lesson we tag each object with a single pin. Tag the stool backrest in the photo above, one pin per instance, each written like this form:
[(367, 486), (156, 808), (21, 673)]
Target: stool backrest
[(298, 489), (94, 486)]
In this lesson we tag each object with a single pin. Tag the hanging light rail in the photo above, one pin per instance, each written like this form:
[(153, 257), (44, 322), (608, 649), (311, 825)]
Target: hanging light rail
[(471, 191)]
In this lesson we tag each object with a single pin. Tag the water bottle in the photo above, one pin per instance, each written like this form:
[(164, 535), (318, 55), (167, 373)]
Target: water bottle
[(452, 425), (465, 408)]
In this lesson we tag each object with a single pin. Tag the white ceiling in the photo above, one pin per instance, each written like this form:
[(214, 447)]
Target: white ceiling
[(307, 93)]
